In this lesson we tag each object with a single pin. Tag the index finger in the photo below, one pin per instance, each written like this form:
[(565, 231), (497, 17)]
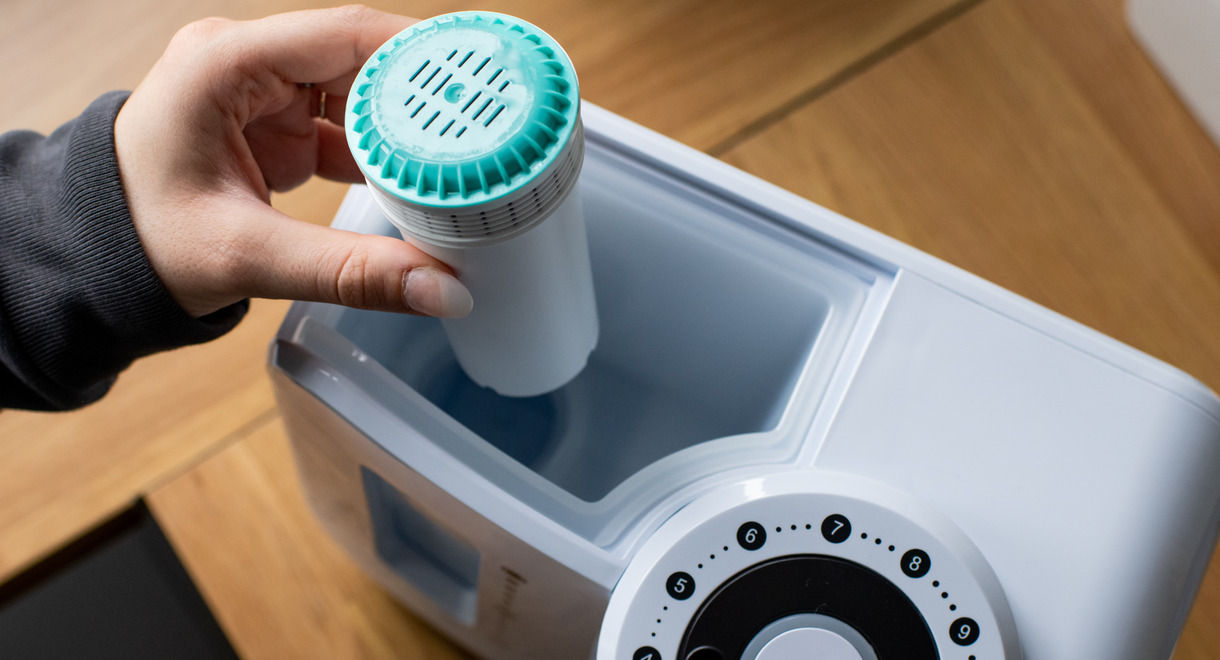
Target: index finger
[(325, 46)]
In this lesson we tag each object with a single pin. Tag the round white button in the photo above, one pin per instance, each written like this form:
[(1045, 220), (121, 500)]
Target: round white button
[(809, 644)]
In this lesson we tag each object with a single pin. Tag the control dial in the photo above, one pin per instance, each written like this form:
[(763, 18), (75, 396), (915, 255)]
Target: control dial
[(779, 567)]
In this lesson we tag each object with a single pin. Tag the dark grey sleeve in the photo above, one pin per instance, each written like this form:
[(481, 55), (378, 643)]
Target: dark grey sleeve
[(79, 300)]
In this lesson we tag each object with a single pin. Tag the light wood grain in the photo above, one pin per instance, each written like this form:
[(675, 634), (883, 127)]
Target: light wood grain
[(64, 472), (1132, 100), (1027, 141), (989, 145), (976, 145), (696, 70), (278, 585), (689, 68)]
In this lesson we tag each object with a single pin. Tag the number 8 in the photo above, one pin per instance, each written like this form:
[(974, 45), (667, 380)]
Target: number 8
[(915, 562)]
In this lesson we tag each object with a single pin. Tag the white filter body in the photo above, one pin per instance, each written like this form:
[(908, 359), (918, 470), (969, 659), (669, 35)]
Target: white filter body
[(467, 128), (534, 321)]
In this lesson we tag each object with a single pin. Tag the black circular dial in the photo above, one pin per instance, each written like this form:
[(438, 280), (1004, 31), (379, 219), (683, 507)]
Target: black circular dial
[(860, 597)]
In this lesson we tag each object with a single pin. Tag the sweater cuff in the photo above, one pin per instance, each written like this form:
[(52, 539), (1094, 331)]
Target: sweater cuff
[(96, 304)]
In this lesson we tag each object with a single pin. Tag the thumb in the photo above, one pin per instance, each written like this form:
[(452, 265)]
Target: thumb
[(301, 261)]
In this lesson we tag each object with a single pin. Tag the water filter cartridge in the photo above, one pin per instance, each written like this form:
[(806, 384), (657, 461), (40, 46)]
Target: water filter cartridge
[(467, 128)]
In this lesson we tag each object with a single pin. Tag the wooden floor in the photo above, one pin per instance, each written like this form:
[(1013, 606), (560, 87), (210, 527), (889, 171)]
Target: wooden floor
[(1028, 141)]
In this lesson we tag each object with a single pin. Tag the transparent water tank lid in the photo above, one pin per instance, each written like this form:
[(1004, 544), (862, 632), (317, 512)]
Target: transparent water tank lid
[(719, 331)]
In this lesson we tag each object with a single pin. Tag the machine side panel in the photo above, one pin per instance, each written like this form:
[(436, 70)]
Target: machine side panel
[(522, 605), (1092, 492)]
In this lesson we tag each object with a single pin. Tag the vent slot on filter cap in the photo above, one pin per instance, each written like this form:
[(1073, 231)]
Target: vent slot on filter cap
[(482, 99)]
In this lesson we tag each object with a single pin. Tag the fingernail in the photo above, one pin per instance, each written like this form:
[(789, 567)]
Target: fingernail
[(429, 291)]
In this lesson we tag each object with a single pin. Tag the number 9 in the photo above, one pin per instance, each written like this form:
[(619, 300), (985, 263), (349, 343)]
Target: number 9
[(963, 631)]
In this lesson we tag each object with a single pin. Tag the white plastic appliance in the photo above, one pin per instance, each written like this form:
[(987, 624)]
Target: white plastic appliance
[(796, 435)]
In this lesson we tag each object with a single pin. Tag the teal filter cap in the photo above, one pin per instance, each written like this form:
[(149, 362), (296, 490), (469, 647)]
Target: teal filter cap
[(467, 127)]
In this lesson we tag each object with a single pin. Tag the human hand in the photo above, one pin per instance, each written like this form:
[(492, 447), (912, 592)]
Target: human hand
[(224, 118)]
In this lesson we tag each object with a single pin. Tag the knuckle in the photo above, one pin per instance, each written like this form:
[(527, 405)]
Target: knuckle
[(355, 19), (200, 31), (352, 285), (353, 13), (205, 41)]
